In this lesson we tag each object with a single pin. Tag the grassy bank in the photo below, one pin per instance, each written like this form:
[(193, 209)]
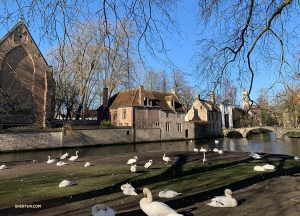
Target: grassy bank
[(37, 183)]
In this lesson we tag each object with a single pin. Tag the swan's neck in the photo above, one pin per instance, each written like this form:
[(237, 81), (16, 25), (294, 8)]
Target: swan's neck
[(48, 157), (149, 197)]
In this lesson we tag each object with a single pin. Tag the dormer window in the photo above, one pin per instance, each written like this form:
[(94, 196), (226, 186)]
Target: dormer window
[(145, 101), (172, 102)]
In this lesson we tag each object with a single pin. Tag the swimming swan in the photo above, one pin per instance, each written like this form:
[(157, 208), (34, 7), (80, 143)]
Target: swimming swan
[(259, 168), (102, 210), (132, 160), (73, 158), (66, 183), (64, 156), (268, 166), (224, 201), (128, 190), (154, 208), (148, 164), (216, 141), (51, 160), (168, 194), (61, 163), (2, 167), (167, 159)]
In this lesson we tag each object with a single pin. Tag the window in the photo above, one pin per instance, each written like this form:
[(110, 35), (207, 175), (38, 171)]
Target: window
[(172, 102), (167, 114), (123, 113), (167, 126), (156, 123), (178, 115), (115, 115), (179, 128)]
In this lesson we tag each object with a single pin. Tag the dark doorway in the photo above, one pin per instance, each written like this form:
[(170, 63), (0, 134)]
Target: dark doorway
[(186, 133), (226, 121)]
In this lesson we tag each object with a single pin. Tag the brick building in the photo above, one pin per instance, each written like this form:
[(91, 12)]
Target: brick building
[(27, 87)]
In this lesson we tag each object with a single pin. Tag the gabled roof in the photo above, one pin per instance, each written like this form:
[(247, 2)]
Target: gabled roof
[(130, 98)]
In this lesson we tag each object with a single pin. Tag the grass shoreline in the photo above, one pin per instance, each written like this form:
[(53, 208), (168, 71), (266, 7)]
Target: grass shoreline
[(37, 183)]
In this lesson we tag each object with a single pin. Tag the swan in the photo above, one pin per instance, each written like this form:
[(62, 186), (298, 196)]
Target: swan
[(148, 164), (215, 150), (255, 156), (224, 201), (220, 152), (51, 160), (203, 149), (61, 163), (204, 158), (128, 189), (216, 141), (133, 168), (196, 150), (132, 160), (2, 167), (297, 158), (66, 183), (64, 156), (259, 168), (155, 208), (102, 210), (73, 158), (87, 164), (168, 193), (268, 166), (167, 159)]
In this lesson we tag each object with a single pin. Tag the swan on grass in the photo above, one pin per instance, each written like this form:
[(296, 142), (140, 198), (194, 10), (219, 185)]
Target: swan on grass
[(66, 183), (102, 210), (51, 160), (128, 189), (259, 168), (64, 156), (155, 208), (168, 194), (215, 150), (148, 164), (224, 201), (2, 167), (133, 168), (196, 150), (297, 158), (204, 158), (61, 163), (132, 160), (166, 159), (203, 149), (87, 164), (269, 166), (73, 158)]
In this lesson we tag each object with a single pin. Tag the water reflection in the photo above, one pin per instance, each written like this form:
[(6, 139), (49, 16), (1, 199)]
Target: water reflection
[(266, 142)]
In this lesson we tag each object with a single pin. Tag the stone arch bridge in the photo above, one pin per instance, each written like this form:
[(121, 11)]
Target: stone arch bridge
[(279, 131)]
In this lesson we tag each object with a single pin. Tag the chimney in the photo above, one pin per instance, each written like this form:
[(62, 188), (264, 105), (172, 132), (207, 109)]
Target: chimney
[(198, 97), (212, 96), (105, 98), (141, 98), (173, 91)]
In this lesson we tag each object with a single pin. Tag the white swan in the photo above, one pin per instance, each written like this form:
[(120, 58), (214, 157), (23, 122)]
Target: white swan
[(297, 158), (168, 193), (51, 160), (255, 156), (216, 141), (64, 156), (87, 164), (148, 164), (204, 158), (203, 149), (66, 183), (102, 210), (61, 163), (154, 208), (221, 152), (268, 166), (2, 167), (73, 158), (215, 150), (196, 150), (128, 190), (224, 201), (167, 159), (132, 160), (133, 168), (259, 168)]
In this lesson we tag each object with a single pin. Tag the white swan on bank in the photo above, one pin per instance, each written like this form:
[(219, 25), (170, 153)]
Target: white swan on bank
[(73, 158), (259, 168), (221, 152), (128, 190), (269, 167), (64, 156), (102, 210), (133, 168), (216, 141), (297, 158), (168, 193), (2, 167), (255, 156), (66, 183), (148, 164), (166, 159), (132, 160), (203, 149), (215, 150), (224, 201), (87, 164), (204, 158), (61, 163), (155, 208), (51, 160), (196, 150)]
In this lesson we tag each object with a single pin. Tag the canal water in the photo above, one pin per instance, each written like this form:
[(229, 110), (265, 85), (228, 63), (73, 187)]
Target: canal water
[(264, 142)]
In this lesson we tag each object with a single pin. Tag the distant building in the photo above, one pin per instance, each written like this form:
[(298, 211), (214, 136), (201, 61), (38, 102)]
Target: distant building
[(27, 87), (226, 108)]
